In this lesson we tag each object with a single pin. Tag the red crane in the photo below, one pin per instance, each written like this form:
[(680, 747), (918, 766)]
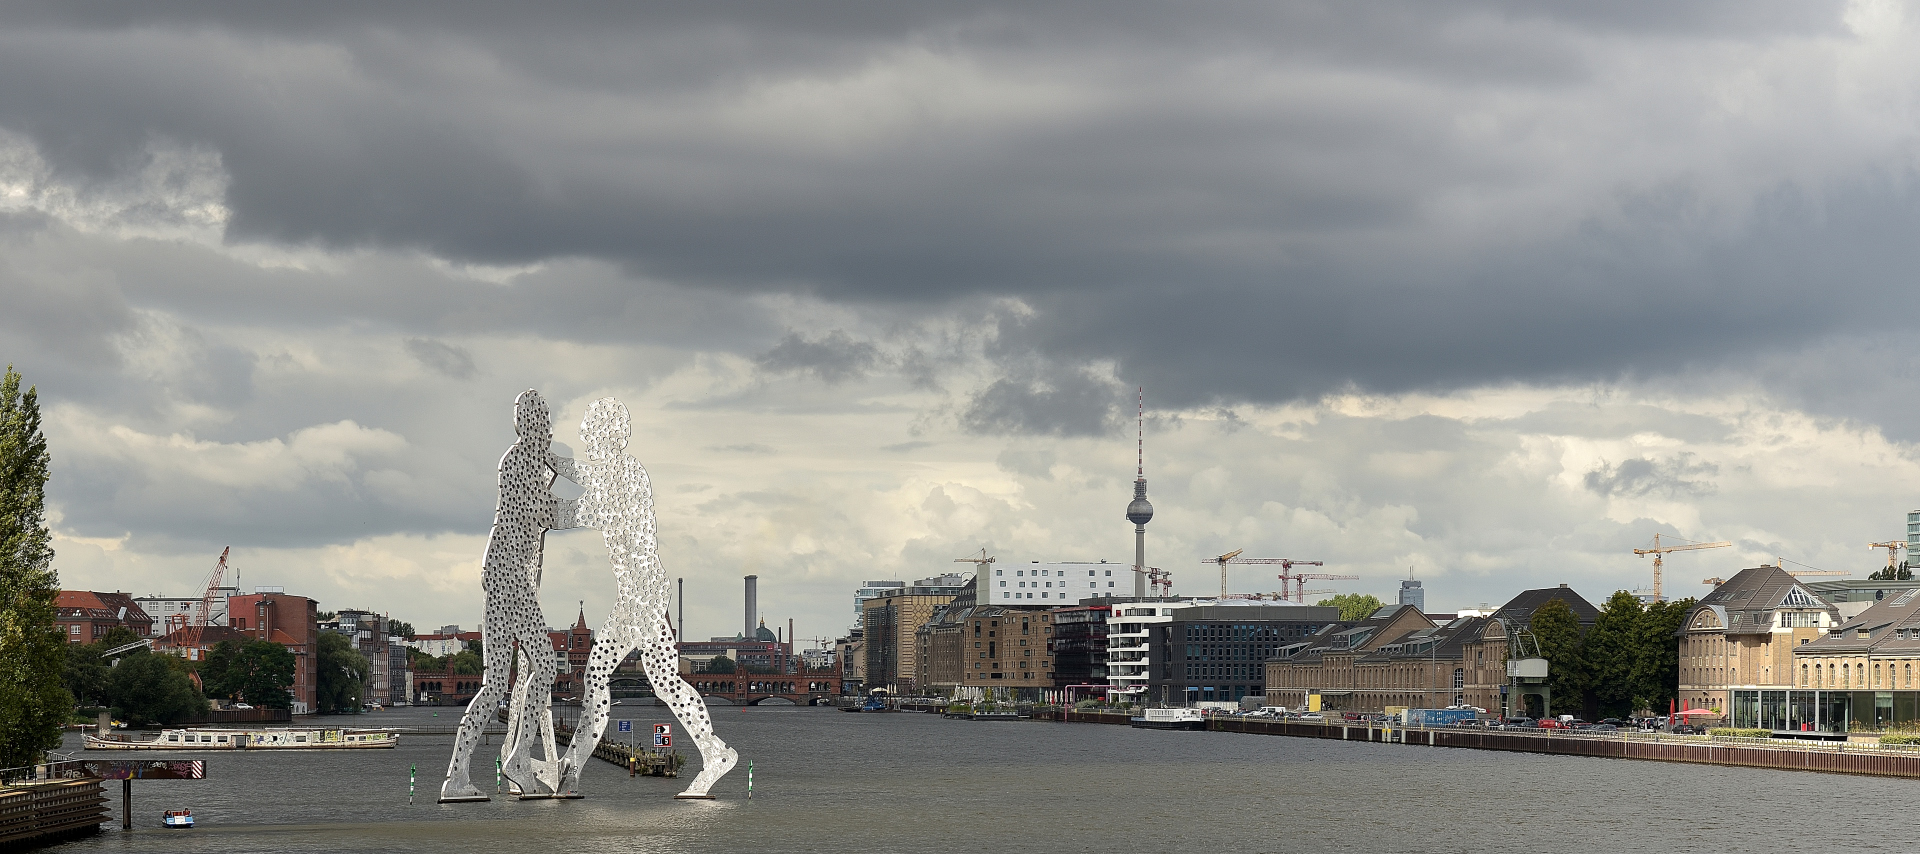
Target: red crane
[(203, 616)]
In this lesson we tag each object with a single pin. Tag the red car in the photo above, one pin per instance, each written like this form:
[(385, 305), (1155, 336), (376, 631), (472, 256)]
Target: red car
[(1553, 723)]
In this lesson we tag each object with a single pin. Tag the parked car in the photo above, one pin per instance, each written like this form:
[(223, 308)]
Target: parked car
[(1553, 723), (1602, 728)]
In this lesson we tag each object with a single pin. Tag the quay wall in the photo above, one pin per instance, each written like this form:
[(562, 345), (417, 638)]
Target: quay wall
[(1838, 758), (42, 813)]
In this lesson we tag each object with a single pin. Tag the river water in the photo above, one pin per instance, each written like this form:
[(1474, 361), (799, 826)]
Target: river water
[(829, 781)]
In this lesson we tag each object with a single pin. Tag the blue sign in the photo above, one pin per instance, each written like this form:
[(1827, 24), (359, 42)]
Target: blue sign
[(625, 726)]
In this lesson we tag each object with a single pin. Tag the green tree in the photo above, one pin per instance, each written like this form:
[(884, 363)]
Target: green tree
[(720, 664), (1611, 653), (1353, 606), (342, 671), (1558, 630), (217, 667), (261, 673), (466, 662), (34, 703), (1893, 573), (1656, 675), (88, 667), (148, 688), (398, 629)]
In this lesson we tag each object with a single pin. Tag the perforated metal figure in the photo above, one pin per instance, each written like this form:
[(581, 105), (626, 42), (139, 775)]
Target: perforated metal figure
[(513, 626), (618, 499)]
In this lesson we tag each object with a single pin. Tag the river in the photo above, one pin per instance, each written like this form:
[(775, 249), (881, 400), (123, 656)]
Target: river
[(908, 782)]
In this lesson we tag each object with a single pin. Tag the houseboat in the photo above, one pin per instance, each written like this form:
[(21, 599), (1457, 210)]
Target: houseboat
[(1171, 719), (251, 739)]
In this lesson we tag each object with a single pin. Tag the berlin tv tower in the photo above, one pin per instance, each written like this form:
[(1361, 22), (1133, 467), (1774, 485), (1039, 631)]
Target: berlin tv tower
[(1140, 512)]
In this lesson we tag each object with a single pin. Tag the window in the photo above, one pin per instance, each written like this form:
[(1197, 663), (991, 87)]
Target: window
[(1109, 584), (1109, 572)]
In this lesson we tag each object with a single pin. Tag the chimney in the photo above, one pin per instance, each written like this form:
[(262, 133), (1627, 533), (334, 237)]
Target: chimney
[(753, 605)]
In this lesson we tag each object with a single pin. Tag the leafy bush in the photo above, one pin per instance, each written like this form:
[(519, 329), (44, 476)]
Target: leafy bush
[(1739, 732), (1901, 738)]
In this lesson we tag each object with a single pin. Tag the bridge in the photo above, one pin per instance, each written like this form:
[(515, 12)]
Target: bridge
[(804, 688)]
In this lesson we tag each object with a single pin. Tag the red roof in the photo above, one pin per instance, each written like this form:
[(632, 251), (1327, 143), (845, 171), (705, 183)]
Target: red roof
[(90, 605)]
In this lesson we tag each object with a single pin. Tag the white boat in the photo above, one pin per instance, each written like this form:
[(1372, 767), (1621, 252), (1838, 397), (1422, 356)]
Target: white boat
[(1171, 719), (251, 739)]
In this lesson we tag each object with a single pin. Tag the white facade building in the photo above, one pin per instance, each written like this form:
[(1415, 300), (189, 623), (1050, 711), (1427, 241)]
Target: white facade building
[(1128, 630), (172, 612), (1050, 584)]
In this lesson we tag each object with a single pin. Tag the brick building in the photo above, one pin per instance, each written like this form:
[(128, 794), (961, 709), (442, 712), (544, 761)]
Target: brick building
[(85, 616), (1743, 635), (891, 624)]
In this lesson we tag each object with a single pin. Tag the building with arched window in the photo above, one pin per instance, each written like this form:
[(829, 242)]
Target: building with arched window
[(1737, 649), (1862, 673)]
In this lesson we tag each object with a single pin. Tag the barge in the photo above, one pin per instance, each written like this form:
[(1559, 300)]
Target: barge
[(251, 739)]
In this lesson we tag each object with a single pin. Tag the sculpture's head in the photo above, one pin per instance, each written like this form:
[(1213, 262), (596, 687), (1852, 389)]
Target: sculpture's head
[(606, 428), (530, 417)]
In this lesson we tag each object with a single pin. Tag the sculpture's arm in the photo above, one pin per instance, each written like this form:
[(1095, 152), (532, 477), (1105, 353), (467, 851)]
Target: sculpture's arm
[(564, 467), (571, 513)]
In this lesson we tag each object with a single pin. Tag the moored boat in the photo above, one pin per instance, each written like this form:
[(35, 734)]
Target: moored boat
[(1171, 719), (251, 739)]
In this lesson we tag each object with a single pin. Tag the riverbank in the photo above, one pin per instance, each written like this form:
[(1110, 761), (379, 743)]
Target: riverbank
[(1833, 757)]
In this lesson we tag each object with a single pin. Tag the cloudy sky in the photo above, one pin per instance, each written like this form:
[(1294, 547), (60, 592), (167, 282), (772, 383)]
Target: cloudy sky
[(1492, 290)]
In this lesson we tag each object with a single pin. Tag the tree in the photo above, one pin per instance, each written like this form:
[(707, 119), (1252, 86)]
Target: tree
[(215, 668), (1893, 573), (33, 651), (720, 664), (149, 688), (398, 629), (1613, 649), (260, 673), (1558, 631), (88, 667), (342, 671), (1656, 676), (1353, 606), (466, 662)]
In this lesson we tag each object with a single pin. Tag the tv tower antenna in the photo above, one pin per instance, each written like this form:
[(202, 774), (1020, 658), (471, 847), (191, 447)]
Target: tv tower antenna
[(1140, 511)]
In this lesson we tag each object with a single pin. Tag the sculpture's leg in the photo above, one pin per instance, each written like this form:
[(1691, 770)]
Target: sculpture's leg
[(663, 670), (531, 719), (458, 787), (596, 701), (515, 757)]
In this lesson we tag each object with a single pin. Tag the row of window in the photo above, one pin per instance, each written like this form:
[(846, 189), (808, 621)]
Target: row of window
[(1846, 675), (1022, 573)]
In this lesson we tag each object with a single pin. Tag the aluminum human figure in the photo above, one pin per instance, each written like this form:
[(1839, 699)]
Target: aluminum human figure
[(617, 498), (513, 625)]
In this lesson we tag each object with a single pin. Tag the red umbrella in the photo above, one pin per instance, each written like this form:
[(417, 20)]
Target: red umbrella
[(1696, 712)]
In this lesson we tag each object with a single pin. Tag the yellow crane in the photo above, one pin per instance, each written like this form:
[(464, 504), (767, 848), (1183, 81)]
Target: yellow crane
[(1222, 560), (1782, 563), (1893, 548), (1659, 551)]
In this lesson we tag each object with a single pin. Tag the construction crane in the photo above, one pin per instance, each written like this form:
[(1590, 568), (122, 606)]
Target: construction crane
[(1781, 563), (1893, 548), (203, 615), (1286, 565), (980, 561), (1157, 579), (1658, 551), (1300, 591)]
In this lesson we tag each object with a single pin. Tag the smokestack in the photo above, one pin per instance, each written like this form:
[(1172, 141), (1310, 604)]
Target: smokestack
[(753, 604)]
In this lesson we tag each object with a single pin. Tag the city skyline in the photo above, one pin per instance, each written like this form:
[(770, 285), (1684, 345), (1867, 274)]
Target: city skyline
[(1495, 294)]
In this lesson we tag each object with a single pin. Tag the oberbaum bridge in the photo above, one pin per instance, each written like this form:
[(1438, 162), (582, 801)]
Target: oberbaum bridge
[(766, 669)]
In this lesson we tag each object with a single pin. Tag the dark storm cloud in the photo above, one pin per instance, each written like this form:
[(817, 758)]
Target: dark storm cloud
[(1639, 477), (834, 358), (1229, 201), (1049, 401), (449, 359)]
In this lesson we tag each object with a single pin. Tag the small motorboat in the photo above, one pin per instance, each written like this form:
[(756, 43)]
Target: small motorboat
[(177, 818)]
